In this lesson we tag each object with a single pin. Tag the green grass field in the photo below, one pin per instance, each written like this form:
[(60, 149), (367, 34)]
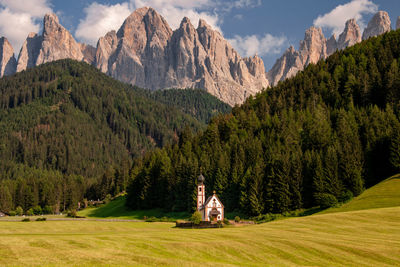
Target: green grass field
[(366, 234), (383, 195), (369, 237), (116, 209)]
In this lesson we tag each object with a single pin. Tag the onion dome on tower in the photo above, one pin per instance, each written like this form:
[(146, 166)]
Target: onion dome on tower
[(200, 179)]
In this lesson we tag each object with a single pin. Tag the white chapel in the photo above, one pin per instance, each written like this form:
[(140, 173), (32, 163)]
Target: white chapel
[(210, 209)]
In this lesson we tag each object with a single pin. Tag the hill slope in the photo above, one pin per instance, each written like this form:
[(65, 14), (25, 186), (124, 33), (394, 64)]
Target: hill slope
[(331, 131), (383, 195), (67, 118)]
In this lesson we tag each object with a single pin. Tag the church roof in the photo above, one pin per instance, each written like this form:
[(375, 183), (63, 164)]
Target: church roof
[(209, 199)]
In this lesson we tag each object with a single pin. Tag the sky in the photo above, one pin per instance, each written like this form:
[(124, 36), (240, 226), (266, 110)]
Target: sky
[(263, 27)]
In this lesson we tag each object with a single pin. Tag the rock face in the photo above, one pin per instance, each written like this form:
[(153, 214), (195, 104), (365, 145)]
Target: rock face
[(29, 52), (331, 45), (286, 66), (146, 52), (8, 63), (55, 43), (350, 36), (379, 24), (313, 48)]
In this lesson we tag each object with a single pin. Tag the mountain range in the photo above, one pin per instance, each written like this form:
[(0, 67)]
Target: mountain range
[(146, 52)]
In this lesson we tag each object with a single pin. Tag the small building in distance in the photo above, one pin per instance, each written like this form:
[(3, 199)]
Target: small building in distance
[(212, 209)]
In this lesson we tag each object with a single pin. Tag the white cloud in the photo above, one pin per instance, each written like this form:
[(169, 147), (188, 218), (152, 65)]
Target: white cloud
[(35, 8), (20, 17), (336, 19), (246, 3), (101, 19), (253, 44)]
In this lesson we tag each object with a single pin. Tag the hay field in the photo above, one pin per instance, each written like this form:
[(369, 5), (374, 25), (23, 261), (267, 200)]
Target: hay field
[(383, 195), (356, 238)]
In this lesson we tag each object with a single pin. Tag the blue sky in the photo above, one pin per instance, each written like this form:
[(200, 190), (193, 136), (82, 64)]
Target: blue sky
[(264, 27)]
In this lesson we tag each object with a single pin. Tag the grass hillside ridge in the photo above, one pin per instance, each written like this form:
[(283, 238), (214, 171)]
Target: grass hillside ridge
[(383, 195)]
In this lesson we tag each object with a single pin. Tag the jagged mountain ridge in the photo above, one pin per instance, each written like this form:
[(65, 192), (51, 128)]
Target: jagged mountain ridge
[(146, 52), (315, 46)]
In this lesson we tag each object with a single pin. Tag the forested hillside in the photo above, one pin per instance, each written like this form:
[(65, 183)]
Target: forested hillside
[(322, 136), (195, 102), (67, 119)]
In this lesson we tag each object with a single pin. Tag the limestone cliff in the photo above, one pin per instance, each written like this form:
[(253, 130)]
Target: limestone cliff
[(55, 43), (350, 36), (379, 24), (8, 63), (313, 48), (147, 53)]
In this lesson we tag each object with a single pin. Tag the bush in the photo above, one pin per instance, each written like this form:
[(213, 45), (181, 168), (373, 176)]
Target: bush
[(72, 214), (37, 210), (30, 212), (164, 219), (346, 196), (237, 219), (26, 220), (107, 199), (226, 221), (152, 219), (326, 200), (196, 218), (47, 210), (41, 219), (12, 213), (19, 211)]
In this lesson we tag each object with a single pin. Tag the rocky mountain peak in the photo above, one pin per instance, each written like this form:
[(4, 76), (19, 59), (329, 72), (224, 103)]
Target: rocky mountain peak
[(350, 36), (58, 43), (51, 23), (331, 45), (147, 53), (379, 24), (286, 66), (8, 63), (313, 47), (203, 24), (29, 52), (186, 27)]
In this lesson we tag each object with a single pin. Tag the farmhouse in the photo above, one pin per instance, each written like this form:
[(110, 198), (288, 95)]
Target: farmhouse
[(211, 209)]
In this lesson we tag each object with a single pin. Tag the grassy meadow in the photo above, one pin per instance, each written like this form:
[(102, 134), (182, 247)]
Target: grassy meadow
[(116, 209), (368, 237), (383, 195), (363, 232)]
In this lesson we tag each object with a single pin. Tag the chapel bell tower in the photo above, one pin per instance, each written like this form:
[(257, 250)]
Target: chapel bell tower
[(201, 192)]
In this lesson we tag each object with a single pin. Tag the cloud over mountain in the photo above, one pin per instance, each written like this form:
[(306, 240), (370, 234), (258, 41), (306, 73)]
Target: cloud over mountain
[(101, 19), (252, 44), (336, 18), (20, 17)]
